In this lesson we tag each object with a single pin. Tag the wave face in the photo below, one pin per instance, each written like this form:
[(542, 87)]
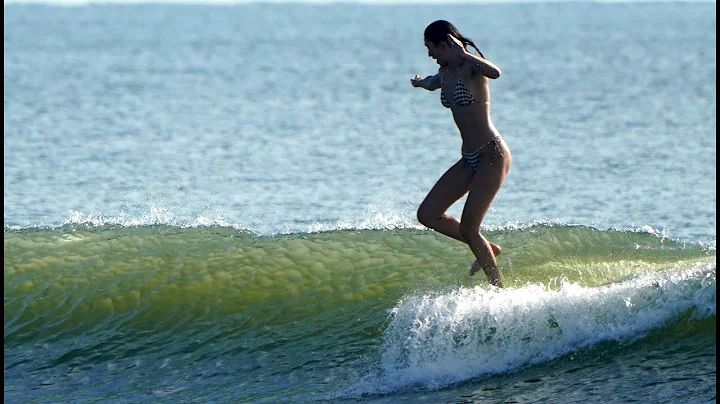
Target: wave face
[(376, 311)]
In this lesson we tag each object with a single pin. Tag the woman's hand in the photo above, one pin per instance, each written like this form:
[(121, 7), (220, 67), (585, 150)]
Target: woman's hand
[(456, 46), (417, 81), (430, 83)]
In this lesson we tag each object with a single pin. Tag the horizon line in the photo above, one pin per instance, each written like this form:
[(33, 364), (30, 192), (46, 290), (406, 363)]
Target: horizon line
[(326, 2)]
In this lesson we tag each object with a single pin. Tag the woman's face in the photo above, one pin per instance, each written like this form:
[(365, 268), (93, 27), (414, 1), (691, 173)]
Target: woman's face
[(439, 53)]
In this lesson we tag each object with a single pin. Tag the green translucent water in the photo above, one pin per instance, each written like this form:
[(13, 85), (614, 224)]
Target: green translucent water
[(302, 308)]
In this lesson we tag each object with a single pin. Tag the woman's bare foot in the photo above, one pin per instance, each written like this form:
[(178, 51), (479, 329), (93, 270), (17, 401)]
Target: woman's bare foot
[(475, 267), (493, 276)]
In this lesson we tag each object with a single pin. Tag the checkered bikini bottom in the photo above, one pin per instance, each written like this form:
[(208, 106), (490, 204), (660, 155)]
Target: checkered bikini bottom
[(474, 159)]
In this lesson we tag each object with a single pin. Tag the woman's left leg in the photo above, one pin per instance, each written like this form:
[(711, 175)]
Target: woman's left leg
[(483, 188)]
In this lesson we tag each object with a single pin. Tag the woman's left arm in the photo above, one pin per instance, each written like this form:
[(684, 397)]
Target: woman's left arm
[(482, 65)]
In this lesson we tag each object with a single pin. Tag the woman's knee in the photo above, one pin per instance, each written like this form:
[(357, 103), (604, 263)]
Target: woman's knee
[(422, 217), (426, 217)]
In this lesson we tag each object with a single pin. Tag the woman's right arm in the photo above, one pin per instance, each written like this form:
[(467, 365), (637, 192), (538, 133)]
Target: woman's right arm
[(430, 83)]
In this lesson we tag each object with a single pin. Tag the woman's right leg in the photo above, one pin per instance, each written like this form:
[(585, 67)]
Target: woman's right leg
[(449, 188)]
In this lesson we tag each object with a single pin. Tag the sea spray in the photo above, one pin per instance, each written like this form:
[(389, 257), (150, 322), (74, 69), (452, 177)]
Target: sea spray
[(435, 340)]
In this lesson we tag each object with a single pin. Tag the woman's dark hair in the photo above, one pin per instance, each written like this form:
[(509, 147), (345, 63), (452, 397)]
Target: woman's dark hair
[(437, 32)]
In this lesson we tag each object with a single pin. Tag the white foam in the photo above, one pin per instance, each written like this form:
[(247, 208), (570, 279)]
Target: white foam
[(155, 215), (436, 340)]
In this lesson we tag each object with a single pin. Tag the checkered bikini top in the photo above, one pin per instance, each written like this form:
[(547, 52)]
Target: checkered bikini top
[(462, 97)]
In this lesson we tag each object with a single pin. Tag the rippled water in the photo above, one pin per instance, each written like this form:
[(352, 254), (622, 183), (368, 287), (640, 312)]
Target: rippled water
[(272, 116)]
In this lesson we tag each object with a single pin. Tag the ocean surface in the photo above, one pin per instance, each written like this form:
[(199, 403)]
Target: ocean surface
[(216, 203)]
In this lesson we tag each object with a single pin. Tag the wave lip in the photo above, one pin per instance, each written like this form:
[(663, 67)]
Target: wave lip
[(438, 340)]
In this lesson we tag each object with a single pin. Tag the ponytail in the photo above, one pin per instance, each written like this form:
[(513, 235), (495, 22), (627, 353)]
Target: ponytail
[(437, 32), (467, 41)]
